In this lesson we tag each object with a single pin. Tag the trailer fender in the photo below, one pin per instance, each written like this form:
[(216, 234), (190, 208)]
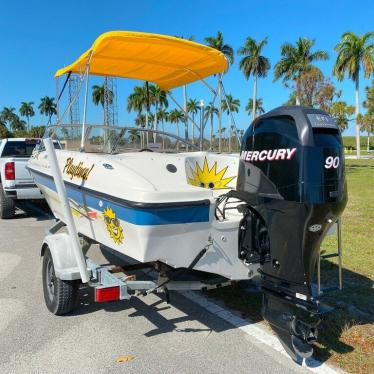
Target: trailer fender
[(64, 262)]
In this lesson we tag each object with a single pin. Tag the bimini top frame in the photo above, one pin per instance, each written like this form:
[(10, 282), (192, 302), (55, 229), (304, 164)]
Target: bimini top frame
[(164, 60)]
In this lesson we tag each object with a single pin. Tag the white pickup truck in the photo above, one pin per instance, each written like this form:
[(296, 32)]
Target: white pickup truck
[(15, 180)]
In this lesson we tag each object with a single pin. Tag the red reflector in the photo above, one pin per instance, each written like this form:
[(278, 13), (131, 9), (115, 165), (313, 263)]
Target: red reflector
[(107, 294), (9, 171), (92, 215)]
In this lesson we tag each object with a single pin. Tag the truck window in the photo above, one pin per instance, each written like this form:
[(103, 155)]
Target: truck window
[(19, 148)]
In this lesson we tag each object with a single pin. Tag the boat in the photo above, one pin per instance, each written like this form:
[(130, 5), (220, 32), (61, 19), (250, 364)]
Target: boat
[(259, 215)]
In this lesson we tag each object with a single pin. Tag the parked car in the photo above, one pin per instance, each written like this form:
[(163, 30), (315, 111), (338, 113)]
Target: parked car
[(16, 182)]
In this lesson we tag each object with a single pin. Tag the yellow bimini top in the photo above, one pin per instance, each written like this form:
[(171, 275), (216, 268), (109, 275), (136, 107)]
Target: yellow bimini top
[(164, 60)]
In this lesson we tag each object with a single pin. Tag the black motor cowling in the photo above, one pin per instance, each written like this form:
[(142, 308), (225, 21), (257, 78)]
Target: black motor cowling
[(292, 176)]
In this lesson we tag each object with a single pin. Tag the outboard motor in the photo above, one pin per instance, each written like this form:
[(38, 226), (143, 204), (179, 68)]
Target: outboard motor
[(292, 180)]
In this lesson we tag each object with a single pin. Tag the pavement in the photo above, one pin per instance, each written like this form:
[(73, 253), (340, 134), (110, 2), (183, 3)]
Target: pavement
[(150, 335)]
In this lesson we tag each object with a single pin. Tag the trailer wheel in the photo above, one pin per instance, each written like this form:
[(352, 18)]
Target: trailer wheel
[(7, 205), (60, 296)]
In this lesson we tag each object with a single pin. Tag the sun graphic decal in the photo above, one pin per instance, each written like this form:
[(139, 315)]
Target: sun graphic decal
[(113, 225), (209, 178)]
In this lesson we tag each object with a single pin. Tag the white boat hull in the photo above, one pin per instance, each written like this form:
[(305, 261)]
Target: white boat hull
[(169, 221)]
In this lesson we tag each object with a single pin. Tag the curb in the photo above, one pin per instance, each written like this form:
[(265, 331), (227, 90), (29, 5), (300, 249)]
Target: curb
[(255, 331)]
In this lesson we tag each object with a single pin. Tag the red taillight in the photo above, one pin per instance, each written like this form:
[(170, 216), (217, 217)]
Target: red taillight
[(107, 294), (10, 173)]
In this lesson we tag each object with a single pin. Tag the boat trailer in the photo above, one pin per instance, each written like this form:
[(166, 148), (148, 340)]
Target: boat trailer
[(111, 282), (287, 210)]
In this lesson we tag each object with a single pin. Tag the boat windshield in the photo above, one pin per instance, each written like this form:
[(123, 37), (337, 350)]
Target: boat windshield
[(116, 139)]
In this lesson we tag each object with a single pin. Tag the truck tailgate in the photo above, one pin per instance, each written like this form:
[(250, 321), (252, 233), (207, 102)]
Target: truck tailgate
[(22, 174)]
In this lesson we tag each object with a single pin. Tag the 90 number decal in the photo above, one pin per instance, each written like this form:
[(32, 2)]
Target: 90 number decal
[(332, 162)]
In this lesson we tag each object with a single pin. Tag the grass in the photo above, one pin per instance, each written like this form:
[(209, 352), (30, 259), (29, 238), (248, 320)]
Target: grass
[(350, 142), (347, 334)]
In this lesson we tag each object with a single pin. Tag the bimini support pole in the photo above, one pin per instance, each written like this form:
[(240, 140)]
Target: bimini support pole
[(58, 98), (61, 191), (182, 109), (219, 113), (87, 73), (232, 124), (202, 124), (185, 114)]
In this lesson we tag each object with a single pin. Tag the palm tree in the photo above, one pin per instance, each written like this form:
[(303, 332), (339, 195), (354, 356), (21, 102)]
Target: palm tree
[(140, 120), (353, 52), (230, 105), (297, 59), (98, 94), (98, 97), (193, 107), (211, 111), (162, 116), (253, 63), (18, 125), (4, 133), (47, 107), (258, 108), (366, 123), (139, 100), (37, 131), (134, 136), (176, 116), (8, 116), (136, 100), (158, 97), (218, 43), (222, 132), (27, 111)]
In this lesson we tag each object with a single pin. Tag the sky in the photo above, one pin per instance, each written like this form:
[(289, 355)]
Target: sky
[(38, 37)]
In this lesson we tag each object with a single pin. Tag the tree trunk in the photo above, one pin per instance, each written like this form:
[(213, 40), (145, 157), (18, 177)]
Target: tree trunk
[(368, 145), (219, 114), (155, 125), (185, 113), (163, 136), (254, 99), (104, 132), (211, 131), (147, 127), (28, 124), (178, 136), (230, 133), (297, 100), (193, 128), (357, 111)]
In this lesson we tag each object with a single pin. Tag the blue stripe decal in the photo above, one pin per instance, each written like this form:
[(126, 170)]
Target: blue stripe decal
[(137, 216)]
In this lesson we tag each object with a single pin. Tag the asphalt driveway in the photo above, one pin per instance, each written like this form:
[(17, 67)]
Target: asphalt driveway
[(181, 337)]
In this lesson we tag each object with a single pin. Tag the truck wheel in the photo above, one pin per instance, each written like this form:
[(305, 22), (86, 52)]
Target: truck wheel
[(60, 296), (7, 209)]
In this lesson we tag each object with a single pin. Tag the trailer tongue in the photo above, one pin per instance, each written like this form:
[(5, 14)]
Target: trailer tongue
[(291, 200)]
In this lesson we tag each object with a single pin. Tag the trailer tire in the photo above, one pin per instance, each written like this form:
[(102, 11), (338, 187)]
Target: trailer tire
[(7, 205), (60, 296)]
